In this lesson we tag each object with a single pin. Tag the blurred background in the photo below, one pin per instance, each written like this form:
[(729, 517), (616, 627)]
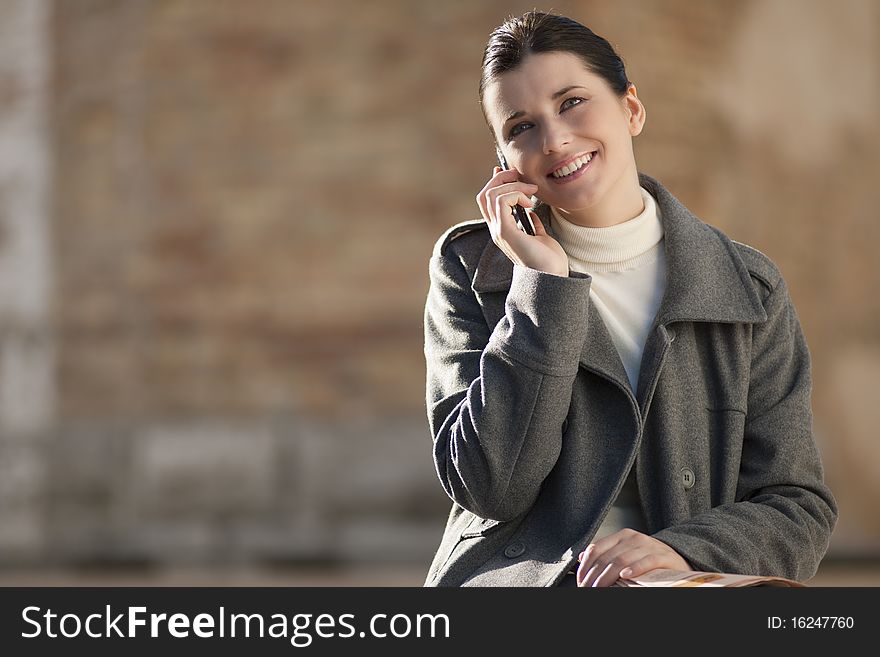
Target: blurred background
[(215, 225)]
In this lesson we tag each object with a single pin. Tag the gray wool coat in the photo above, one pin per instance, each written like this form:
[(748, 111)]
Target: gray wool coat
[(535, 425)]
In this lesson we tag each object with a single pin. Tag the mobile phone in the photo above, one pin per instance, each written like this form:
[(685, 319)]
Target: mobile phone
[(522, 217)]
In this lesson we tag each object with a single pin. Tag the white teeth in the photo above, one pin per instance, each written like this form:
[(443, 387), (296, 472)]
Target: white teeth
[(568, 169)]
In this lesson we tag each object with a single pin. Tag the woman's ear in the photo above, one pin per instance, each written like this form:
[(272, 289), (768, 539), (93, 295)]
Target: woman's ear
[(635, 111)]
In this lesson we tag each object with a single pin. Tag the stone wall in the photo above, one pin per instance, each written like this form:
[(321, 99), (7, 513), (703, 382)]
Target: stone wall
[(215, 219)]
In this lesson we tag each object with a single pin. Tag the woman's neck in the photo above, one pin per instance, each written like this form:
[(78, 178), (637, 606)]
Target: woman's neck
[(611, 248), (622, 203)]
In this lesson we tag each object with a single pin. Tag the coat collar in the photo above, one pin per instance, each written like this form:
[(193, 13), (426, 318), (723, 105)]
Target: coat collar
[(706, 279)]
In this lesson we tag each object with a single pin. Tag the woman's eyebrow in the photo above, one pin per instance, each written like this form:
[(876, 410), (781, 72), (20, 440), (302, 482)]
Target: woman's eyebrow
[(564, 90)]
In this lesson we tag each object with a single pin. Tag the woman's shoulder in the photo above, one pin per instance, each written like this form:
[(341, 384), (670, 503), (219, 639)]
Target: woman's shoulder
[(702, 238), (467, 240), (759, 264)]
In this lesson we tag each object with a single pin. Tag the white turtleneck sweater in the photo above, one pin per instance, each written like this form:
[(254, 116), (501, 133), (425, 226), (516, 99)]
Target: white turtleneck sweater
[(627, 263)]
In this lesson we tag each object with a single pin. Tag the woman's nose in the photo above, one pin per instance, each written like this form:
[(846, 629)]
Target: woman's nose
[(556, 137)]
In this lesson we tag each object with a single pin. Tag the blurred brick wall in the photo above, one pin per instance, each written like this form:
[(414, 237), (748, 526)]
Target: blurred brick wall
[(225, 364), (27, 331)]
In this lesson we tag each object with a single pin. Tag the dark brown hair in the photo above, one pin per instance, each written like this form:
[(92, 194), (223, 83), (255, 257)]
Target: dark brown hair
[(538, 32)]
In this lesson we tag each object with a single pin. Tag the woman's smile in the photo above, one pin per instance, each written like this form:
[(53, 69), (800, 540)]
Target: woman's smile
[(572, 169)]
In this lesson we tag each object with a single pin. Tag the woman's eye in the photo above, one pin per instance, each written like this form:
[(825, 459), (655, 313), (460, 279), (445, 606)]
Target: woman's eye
[(570, 102), (517, 129)]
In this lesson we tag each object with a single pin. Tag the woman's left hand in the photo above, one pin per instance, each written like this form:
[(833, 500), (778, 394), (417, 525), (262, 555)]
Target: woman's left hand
[(604, 561)]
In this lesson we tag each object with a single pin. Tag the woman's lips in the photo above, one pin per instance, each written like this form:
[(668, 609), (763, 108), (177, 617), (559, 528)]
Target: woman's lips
[(577, 174)]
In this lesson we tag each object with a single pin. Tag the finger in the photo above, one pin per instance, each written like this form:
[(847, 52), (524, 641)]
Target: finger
[(618, 559), (505, 175), (513, 196), (483, 200), (637, 561), (593, 563), (648, 562), (601, 574), (606, 566), (598, 548), (600, 566), (588, 577), (526, 189), (487, 196), (585, 564), (607, 576), (504, 208), (538, 224)]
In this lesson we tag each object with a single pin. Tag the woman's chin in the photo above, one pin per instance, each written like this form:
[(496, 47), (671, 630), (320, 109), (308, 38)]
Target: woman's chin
[(583, 200)]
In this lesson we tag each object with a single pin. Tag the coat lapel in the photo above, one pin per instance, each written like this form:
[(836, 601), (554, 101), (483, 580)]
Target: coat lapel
[(599, 354), (706, 280)]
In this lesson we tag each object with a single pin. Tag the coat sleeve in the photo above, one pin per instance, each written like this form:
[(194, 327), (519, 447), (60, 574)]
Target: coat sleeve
[(783, 516), (497, 397)]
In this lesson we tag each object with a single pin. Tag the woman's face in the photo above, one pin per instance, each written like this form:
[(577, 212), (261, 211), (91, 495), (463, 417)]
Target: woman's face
[(566, 131)]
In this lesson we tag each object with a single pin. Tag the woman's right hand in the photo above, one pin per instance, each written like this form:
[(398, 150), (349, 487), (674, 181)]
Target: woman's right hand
[(496, 200)]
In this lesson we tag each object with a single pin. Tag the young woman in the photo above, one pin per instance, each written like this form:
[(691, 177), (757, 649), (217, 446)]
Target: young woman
[(628, 388)]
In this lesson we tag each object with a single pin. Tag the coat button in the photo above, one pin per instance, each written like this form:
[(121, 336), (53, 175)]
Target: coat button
[(514, 550), (687, 478), (671, 333)]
